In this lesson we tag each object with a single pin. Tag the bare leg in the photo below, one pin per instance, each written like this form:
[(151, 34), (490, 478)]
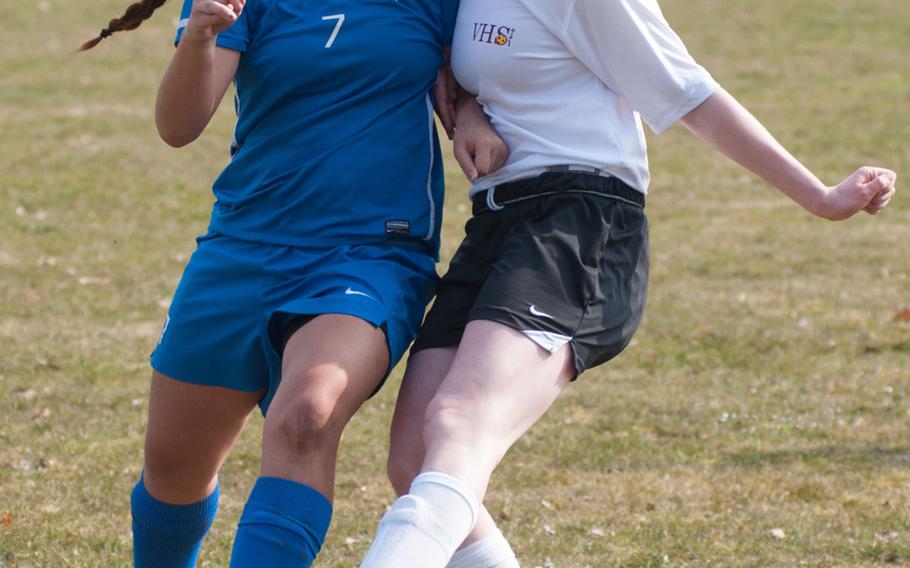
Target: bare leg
[(331, 366), (499, 384), (190, 431), (425, 372)]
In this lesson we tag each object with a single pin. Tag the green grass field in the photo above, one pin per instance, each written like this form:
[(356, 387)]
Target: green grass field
[(761, 417)]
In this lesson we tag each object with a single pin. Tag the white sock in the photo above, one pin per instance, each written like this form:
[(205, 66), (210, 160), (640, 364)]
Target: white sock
[(424, 528), (489, 552)]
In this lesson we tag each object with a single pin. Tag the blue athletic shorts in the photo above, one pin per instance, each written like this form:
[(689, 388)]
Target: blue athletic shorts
[(225, 323)]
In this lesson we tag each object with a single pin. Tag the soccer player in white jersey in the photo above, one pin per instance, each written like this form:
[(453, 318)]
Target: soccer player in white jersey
[(317, 265), (551, 278)]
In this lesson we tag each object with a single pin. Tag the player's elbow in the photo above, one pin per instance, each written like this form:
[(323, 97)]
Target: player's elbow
[(178, 126), (175, 142), (174, 136)]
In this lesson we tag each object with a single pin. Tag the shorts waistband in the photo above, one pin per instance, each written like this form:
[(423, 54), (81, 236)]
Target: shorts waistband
[(554, 182)]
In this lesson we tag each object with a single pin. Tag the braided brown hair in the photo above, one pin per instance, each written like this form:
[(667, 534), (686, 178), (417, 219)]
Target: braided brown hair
[(137, 13)]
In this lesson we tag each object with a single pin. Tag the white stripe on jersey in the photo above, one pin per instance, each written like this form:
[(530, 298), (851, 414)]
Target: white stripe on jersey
[(432, 224)]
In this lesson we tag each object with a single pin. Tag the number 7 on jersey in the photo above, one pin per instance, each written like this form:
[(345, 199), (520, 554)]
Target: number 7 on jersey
[(338, 24)]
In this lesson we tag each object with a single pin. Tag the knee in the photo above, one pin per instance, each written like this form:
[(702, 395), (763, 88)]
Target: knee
[(161, 461), (446, 417), (467, 427), (403, 466), (305, 420), (171, 468)]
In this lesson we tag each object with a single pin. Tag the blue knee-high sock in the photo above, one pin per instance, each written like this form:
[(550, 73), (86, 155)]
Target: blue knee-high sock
[(283, 524), (169, 536)]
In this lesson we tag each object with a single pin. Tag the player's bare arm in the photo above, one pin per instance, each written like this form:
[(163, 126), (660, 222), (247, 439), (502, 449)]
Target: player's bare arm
[(446, 92), (199, 73), (725, 124)]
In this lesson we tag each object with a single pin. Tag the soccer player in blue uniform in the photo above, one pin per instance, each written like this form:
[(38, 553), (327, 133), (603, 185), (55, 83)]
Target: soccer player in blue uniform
[(317, 265)]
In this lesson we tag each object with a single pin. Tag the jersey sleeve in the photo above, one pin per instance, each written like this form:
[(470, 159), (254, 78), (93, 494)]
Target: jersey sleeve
[(630, 46), (449, 15), (236, 37)]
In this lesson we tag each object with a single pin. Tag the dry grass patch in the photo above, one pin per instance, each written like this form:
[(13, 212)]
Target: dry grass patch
[(760, 418)]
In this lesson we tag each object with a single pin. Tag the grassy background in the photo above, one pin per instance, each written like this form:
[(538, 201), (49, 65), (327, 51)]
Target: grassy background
[(769, 387)]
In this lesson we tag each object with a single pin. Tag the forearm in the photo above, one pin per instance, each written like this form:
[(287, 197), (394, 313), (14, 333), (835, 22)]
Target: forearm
[(477, 147), (466, 106), (186, 96), (727, 126)]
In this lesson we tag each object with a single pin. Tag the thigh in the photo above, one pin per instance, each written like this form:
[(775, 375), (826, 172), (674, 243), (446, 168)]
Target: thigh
[(503, 378), (191, 428), (499, 385), (342, 356)]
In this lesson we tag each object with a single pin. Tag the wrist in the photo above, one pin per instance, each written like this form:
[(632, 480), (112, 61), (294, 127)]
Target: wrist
[(198, 36), (468, 112), (816, 201), (465, 101), (462, 108)]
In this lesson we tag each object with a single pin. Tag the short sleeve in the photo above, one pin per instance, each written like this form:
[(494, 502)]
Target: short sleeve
[(236, 37), (630, 46), (449, 15)]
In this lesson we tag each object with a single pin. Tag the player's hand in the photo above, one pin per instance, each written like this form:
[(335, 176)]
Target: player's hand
[(211, 17), (477, 147), (868, 189)]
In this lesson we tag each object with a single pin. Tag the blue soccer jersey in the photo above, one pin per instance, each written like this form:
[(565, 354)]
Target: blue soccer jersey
[(335, 139)]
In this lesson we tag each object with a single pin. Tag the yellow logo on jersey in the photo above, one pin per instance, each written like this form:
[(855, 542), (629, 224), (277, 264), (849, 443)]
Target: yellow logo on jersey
[(493, 34)]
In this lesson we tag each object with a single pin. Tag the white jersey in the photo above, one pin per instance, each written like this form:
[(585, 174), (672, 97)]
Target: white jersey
[(567, 82)]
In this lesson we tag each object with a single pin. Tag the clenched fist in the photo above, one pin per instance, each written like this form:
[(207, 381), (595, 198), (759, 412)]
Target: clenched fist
[(868, 189), (211, 17)]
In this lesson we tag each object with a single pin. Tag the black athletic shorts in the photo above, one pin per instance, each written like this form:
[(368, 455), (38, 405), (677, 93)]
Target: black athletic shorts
[(562, 258)]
